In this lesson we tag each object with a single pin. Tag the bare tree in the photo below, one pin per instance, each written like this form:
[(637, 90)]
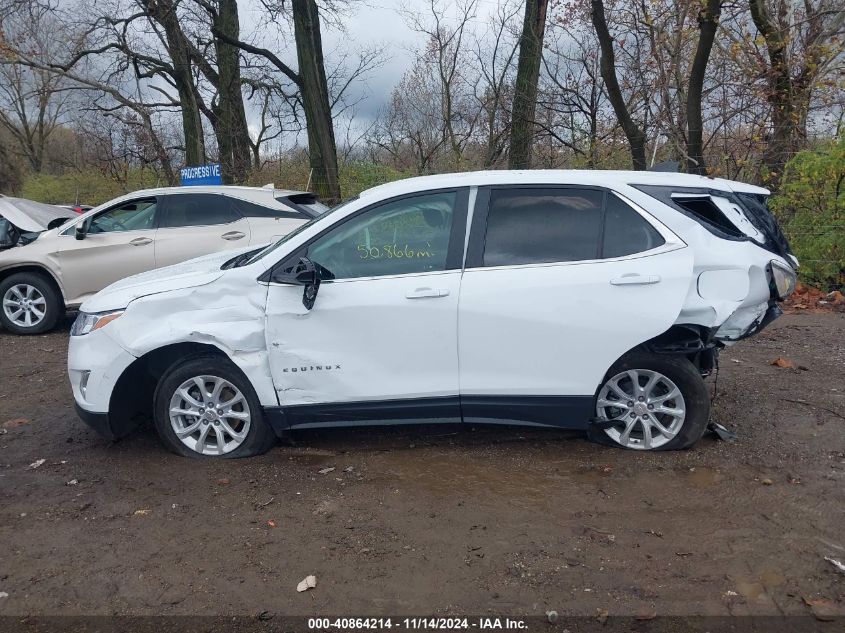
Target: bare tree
[(527, 75), (313, 88), (33, 102), (708, 24), (572, 100), (635, 135), (801, 43), (445, 53), (495, 55)]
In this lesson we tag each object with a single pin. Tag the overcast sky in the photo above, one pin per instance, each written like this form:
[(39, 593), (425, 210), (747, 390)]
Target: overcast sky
[(365, 24)]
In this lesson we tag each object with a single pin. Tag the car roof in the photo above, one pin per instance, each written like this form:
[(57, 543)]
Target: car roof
[(594, 177), (231, 189)]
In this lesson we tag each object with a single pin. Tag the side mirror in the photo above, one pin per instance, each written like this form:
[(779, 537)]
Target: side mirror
[(81, 230), (303, 273)]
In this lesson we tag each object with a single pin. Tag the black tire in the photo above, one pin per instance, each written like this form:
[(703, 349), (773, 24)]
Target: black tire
[(54, 306), (688, 380), (260, 437)]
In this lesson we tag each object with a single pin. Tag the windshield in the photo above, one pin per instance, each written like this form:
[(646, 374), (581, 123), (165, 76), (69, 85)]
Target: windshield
[(302, 227)]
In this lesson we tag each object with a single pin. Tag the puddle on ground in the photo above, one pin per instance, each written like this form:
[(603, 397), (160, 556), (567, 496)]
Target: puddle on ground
[(703, 476), (754, 589), (524, 484), (309, 456)]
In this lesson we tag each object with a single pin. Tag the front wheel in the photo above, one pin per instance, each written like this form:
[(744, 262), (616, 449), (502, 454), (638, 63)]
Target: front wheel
[(30, 303), (651, 402), (206, 407)]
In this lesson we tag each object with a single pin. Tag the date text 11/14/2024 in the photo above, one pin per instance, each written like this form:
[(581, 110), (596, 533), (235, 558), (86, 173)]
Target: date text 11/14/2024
[(485, 623)]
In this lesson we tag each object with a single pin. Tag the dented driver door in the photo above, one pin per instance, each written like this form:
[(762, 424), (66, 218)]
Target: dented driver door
[(380, 343)]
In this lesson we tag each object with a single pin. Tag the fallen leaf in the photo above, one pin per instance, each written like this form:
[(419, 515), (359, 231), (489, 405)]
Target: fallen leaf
[(72, 482), (223, 482), (325, 471), (271, 523), (37, 463), (3, 594), (15, 422), (309, 582), (142, 512), (823, 610), (601, 615), (766, 481), (783, 363)]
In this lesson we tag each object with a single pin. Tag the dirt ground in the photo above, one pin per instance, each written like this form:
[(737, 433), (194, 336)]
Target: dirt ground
[(435, 519)]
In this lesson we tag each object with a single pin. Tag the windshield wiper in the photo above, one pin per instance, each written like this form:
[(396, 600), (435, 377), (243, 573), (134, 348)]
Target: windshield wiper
[(239, 260)]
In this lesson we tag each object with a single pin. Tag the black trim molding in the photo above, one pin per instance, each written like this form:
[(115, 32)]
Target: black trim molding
[(567, 412)]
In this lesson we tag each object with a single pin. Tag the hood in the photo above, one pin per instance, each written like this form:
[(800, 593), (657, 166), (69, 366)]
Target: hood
[(194, 272), (29, 216)]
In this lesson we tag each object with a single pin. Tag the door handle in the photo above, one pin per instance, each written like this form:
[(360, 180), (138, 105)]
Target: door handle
[(633, 279), (140, 241), (426, 293), (233, 235)]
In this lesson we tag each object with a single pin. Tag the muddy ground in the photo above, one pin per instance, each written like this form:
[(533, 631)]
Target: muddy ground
[(435, 519)]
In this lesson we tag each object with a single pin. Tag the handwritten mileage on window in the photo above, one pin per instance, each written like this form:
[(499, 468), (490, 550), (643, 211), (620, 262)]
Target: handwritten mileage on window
[(393, 251)]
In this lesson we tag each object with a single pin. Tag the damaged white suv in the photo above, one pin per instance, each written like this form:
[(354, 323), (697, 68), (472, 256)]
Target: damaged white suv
[(590, 300)]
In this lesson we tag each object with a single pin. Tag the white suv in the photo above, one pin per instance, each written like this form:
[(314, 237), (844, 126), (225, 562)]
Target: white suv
[(132, 234), (578, 299)]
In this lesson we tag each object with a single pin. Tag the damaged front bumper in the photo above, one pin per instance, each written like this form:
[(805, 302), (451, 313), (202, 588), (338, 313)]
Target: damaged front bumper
[(95, 362)]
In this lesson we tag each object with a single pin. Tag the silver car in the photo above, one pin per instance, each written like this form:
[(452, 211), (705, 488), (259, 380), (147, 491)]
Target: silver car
[(62, 266)]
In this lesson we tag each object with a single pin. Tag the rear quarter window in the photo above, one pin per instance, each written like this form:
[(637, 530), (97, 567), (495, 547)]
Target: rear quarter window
[(626, 232)]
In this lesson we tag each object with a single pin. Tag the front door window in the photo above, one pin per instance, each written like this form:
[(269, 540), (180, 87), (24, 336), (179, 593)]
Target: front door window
[(136, 215), (405, 236)]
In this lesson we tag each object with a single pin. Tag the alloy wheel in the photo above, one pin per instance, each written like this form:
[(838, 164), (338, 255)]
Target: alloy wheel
[(24, 305), (646, 408), (209, 415)]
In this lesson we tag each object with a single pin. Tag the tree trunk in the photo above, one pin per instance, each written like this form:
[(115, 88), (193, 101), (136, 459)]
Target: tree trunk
[(781, 145), (232, 132), (708, 24), (164, 12), (635, 136), (322, 150), (527, 75)]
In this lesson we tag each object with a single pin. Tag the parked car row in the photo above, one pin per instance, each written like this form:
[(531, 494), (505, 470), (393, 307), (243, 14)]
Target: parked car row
[(54, 259), (586, 300)]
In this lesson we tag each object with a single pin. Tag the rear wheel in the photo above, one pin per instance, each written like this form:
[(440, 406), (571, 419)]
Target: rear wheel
[(206, 407), (30, 303), (651, 402)]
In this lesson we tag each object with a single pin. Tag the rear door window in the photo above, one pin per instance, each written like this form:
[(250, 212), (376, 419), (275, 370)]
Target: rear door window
[(199, 209), (532, 226)]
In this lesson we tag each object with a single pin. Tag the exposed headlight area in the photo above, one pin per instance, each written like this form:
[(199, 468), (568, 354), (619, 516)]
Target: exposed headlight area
[(87, 322), (783, 279)]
